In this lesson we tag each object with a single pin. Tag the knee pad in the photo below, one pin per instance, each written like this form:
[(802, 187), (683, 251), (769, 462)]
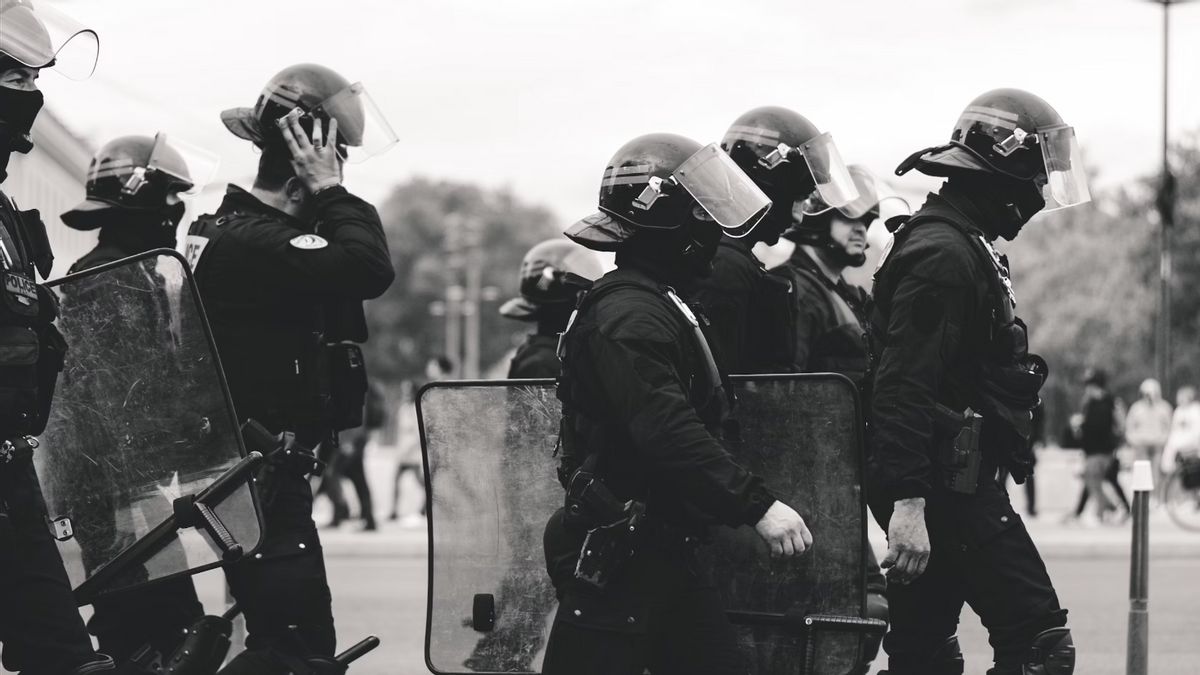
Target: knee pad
[(945, 660), (1051, 653)]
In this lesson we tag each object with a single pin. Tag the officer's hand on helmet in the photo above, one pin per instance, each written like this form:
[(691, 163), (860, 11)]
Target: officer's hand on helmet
[(908, 542), (315, 160), (784, 531)]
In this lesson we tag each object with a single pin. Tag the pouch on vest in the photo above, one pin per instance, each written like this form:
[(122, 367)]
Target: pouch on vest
[(19, 352), (347, 377)]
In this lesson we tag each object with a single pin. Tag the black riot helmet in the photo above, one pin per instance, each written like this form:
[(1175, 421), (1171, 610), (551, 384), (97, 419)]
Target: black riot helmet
[(140, 173), (662, 182), (314, 92), (35, 35), (1015, 135), (788, 157), (552, 275)]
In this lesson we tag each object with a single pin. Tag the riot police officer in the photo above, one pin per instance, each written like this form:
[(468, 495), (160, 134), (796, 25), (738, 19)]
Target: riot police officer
[(283, 270), (40, 625), (644, 470), (954, 386), (134, 199), (135, 188), (751, 311), (831, 313), (553, 273)]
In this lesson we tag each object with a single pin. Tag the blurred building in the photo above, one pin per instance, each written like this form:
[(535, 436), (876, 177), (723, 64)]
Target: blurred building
[(51, 179)]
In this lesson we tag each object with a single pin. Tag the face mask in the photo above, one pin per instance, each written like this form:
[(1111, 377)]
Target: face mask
[(1022, 200), (702, 237), (18, 110)]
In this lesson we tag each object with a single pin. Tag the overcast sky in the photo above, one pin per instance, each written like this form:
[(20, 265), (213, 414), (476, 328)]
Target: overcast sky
[(536, 95)]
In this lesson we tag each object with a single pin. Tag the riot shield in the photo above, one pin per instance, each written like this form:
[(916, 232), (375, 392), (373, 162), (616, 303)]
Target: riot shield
[(490, 473), (141, 418)]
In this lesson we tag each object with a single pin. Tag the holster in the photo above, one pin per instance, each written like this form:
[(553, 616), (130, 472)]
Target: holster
[(608, 548), (613, 526), (959, 453)]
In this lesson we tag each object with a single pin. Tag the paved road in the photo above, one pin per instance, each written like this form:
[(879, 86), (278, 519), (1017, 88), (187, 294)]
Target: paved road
[(385, 594)]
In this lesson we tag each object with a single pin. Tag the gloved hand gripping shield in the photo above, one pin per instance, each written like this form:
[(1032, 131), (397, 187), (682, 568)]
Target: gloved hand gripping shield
[(492, 487), (35, 34), (142, 438)]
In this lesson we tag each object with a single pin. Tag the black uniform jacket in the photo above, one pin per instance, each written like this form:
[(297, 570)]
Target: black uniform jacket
[(930, 324), (750, 311), (269, 282), (634, 377), (831, 319), (727, 297), (537, 357)]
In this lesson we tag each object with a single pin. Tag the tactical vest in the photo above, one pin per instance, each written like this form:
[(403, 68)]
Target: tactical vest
[(708, 392), (330, 374), (31, 348), (843, 347), (771, 333), (1006, 385)]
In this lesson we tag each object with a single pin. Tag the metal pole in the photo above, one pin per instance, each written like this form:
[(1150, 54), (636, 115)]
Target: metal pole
[(454, 291), (1166, 216), (1137, 654), (474, 283)]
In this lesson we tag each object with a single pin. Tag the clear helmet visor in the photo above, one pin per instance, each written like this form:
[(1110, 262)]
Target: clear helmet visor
[(834, 183), (361, 124), (875, 199), (723, 190), (37, 35), (1066, 177), (188, 166)]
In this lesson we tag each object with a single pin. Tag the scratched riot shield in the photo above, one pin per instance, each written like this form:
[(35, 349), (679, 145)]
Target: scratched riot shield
[(490, 475), (490, 471), (141, 423), (803, 435)]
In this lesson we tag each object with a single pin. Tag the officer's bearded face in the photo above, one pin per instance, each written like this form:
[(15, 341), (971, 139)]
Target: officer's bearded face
[(850, 235)]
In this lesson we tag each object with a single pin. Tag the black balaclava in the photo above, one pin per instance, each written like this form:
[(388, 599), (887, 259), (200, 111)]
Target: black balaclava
[(552, 317), (134, 231), (18, 110), (1007, 203), (679, 257)]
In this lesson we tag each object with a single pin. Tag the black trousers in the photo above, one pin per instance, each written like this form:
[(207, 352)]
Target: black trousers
[(40, 625), (981, 555), (661, 614), (285, 584)]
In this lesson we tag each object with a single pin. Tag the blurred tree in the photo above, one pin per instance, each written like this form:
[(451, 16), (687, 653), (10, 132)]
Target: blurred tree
[(404, 334), (1087, 285)]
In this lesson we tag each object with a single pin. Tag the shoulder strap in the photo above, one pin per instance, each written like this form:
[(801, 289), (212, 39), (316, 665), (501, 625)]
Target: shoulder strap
[(999, 286)]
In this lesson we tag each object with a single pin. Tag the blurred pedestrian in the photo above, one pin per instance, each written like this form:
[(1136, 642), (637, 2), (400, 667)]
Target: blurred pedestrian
[(439, 367), (1184, 439), (1148, 425), (1099, 438), (349, 463)]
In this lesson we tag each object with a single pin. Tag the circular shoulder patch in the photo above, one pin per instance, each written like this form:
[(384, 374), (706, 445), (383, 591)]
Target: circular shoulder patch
[(309, 242)]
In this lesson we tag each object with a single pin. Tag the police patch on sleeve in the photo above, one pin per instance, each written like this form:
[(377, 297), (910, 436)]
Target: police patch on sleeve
[(309, 242), (192, 249)]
